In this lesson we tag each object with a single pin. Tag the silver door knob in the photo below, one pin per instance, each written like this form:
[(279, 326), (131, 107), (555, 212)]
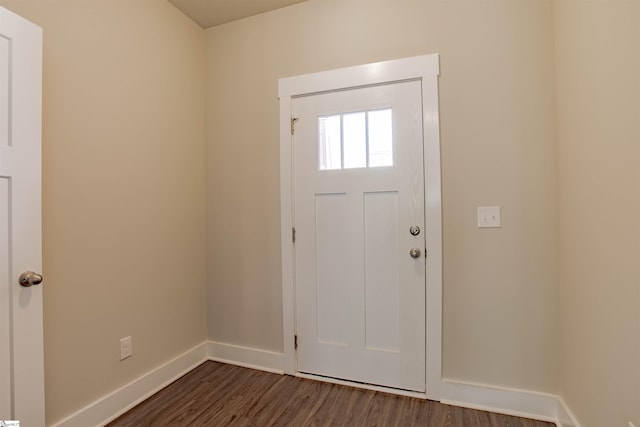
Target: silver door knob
[(29, 278), (415, 252)]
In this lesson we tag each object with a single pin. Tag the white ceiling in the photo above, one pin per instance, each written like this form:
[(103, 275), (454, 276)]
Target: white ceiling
[(209, 13)]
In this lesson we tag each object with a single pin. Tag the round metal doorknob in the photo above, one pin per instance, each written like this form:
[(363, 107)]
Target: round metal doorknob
[(415, 253), (29, 278)]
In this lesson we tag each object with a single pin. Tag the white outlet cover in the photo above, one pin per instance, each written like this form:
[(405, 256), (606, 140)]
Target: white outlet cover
[(489, 217), (126, 348)]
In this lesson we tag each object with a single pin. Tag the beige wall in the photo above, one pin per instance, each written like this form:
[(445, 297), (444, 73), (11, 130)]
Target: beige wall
[(598, 92), (123, 191), (498, 148), (124, 125)]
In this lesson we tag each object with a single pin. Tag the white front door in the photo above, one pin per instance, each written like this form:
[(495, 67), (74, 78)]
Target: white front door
[(360, 241), (21, 339)]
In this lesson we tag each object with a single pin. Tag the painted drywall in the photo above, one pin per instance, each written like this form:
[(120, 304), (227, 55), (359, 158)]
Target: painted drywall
[(123, 191), (598, 93), (498, 148)]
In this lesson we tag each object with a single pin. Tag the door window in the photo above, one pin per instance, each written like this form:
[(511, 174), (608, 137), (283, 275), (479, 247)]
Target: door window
[(359, 139)]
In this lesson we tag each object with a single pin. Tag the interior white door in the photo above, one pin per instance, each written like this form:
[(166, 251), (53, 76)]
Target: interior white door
[(359, 247), (21, 338)]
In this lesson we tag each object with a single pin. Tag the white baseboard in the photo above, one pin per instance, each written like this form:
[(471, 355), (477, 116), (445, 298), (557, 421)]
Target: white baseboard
[(508, 401), (521, 403), (565, 416), (247, 357), (111, 406)]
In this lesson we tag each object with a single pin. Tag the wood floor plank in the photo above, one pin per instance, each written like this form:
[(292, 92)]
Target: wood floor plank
[(342, 403), (216, 394), (304, 403), (237, 402), (185, 402), (267, 408), (205, 389)]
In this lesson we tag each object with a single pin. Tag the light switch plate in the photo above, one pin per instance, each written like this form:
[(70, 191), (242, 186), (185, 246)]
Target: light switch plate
[(489, 217)]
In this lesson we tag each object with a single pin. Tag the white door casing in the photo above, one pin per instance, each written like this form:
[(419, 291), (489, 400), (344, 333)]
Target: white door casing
[(21, 334), (424, 69), (360, 295)]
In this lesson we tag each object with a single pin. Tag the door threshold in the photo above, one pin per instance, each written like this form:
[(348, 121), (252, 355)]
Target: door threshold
[(365, 386)]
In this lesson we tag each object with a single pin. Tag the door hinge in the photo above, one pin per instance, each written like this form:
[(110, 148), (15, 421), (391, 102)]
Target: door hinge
[(295, 342), (293, 124), (293, 234)]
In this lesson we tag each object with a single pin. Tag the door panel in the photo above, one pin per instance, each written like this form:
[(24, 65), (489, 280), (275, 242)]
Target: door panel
[(21, 345), (331, 260), (4, 92), (358, 188), (381, 264), (5, 309)]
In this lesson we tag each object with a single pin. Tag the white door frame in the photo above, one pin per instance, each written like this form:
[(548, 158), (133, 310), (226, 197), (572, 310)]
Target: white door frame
[(426, 69)]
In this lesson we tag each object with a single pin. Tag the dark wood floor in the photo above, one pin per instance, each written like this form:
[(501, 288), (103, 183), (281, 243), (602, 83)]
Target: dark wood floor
[(215, 394)]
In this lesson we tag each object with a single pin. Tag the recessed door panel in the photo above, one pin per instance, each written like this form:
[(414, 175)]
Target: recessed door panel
[(382, 296), (331, 260), (5, 301), (4, 93)]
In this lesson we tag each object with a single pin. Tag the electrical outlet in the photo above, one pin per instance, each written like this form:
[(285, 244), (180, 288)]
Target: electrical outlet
[(126, 348), (489, 217)]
